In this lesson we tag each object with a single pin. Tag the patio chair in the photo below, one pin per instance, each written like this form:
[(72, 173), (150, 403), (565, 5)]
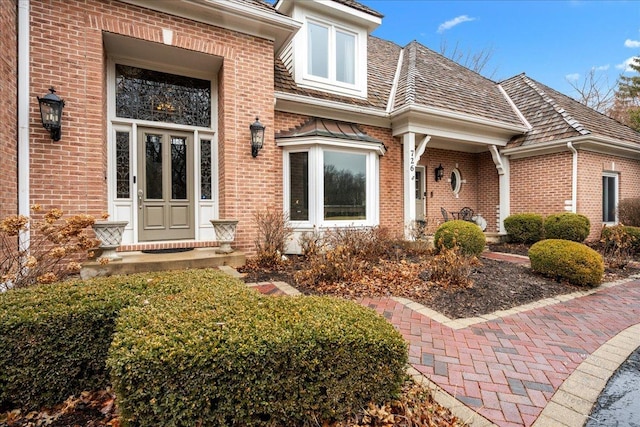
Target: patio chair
[(466, 214), (445, 215)]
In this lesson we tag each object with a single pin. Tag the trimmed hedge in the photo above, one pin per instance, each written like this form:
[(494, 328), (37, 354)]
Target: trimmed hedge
[(228, 356), (55, 338), (567, 226), (566, 260), (524, 227), (467, 235)]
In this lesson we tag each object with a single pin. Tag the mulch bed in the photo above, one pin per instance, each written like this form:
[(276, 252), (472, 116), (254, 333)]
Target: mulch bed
[(497, 285)]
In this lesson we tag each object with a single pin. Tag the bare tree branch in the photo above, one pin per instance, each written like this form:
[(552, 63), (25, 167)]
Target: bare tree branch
[(477, 61)]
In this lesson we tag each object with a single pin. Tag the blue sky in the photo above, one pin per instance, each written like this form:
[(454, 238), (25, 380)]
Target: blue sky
[(551, 41)]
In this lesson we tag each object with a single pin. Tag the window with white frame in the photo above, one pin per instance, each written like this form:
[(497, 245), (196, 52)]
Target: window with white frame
[(609, 197), (331, 186), (331, 53)]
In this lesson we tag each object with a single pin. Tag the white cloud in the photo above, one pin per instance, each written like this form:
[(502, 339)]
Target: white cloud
[(625, 66), (631, 43), (572, 77), (602, 67), (453, 22)]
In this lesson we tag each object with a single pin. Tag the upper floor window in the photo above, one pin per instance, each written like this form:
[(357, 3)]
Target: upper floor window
[(332, 53)]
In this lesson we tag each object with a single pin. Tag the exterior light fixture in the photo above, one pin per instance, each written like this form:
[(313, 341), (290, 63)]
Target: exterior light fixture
[(257, 137), (51, 112), (439, 172)]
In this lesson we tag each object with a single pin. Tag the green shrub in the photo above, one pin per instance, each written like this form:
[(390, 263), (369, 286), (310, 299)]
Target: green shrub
[(467, 235), (228, 356), (567, 226), (55, 338), (629, 212), (566, 260), (524, 227)]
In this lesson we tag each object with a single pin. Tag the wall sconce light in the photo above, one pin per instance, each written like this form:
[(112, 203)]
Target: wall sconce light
[(439, 172), (51, 113), (257, 137)]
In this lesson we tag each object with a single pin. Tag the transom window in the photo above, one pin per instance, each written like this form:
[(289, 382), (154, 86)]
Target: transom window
[(331, 53), (162, 97), (327, 186)]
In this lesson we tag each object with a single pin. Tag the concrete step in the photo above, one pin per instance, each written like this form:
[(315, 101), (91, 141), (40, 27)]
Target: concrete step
[(138, 262)]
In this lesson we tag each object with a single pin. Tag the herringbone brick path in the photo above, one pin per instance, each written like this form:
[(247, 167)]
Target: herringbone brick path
[(507, 369)]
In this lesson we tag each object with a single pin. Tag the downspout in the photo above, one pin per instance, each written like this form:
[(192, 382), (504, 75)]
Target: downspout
[(574, 178), (23, 117)]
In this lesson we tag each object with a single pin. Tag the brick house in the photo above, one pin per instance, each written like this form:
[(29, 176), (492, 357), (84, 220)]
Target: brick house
[(159, 97)]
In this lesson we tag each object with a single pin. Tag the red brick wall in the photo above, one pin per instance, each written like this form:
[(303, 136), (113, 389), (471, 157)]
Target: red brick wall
[(479, 192), (71, 173), (541, 184), (591, 167), (8, 112)]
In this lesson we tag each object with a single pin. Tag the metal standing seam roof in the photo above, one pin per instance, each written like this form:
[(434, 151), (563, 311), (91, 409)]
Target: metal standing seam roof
[(318, 127), (554, 115)]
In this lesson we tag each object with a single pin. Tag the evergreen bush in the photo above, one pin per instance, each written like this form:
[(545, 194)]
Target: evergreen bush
[(228, 356), (567, 226), (566, 260), (464, 234), (524, 228)]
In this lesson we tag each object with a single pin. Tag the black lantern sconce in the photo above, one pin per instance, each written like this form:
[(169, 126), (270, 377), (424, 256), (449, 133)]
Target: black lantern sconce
[(439, 172), (257, 137), (51, 113)]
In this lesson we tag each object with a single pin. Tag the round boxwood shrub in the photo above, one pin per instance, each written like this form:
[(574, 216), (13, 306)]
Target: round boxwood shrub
[(466, 235), (227, 356), (566, 260), (524, 227), (567, 226)]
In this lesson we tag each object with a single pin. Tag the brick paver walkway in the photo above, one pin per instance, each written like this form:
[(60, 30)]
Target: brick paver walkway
[(508, 368)]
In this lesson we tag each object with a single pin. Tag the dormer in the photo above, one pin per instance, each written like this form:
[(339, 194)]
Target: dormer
[(329, 52)]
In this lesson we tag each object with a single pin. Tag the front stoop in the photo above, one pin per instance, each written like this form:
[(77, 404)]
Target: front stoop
[(138, 262)]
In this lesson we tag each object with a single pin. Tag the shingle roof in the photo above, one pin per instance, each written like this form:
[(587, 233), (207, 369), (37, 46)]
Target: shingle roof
[(430, 79), (554, 115), (383, 59), (361, 7)]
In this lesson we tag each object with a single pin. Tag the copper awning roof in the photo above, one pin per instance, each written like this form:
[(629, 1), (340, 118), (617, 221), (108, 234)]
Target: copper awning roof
[(318, 127)]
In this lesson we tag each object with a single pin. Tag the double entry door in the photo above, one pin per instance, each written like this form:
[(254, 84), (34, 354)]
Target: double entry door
[(165, 185)]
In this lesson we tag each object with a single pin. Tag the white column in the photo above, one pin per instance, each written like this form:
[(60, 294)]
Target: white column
[(409, 179), (24, 192), (504, 184)]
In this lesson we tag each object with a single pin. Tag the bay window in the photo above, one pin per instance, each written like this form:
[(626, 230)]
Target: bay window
[(331, 186)]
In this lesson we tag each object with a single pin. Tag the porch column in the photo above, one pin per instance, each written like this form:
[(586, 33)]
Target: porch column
[(504, 207), (409, 180)]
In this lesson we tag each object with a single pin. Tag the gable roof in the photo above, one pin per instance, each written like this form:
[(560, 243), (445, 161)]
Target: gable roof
[(430, 79), (555, 116)]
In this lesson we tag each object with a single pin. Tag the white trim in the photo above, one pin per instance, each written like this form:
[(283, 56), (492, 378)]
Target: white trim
[(574, 178), (514, 107), (378, 148), (23, 165), (394, 86), (237, 16), (423, 189), (409, 180), (597, 144)]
